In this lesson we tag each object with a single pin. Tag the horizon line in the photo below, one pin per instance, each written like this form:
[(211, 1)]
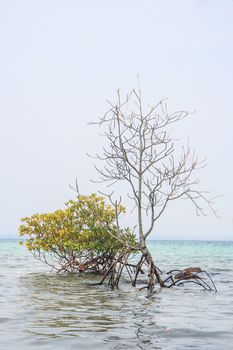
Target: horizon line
[(150, 239)]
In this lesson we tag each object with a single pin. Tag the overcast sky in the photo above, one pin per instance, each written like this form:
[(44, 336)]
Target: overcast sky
[(60, 60)]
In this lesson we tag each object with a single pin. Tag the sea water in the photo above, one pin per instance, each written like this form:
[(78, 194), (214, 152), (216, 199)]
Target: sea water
[(43, 310)]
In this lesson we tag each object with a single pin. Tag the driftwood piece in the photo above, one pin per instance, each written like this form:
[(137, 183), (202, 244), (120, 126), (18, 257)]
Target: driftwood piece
[(190, 275), (188, 272)]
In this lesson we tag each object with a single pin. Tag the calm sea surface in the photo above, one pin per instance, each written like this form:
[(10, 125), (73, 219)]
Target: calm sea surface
[(41, 310)]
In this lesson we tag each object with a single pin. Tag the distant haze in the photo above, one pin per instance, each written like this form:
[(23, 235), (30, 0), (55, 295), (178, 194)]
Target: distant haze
[(60, 60)]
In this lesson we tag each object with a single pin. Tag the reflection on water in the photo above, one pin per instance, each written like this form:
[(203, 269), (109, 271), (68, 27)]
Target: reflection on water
[(69, 306), (48, 311)]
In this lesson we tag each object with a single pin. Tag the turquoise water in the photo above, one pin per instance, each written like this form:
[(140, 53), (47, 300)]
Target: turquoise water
[(41, 310)]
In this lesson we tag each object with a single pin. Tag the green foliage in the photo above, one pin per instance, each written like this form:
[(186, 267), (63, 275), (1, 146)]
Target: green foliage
[(85, 228)]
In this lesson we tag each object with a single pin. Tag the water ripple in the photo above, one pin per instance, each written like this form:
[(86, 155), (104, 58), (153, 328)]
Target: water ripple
[(48, 311)]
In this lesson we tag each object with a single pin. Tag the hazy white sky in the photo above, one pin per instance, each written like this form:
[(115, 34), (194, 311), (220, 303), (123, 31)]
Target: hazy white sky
[(60, 60)]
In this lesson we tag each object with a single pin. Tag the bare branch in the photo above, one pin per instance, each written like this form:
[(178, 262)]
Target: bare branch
[(142, 151)]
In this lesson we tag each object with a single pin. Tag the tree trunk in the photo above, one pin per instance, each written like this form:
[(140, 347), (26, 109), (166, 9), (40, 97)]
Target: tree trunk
[(153, 271)]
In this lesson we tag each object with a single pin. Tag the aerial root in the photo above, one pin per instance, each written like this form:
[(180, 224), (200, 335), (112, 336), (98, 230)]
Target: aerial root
[(113, 267), (194, 275), (122, 263)]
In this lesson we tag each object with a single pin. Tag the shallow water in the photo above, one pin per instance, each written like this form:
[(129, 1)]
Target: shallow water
[(41, 310)]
